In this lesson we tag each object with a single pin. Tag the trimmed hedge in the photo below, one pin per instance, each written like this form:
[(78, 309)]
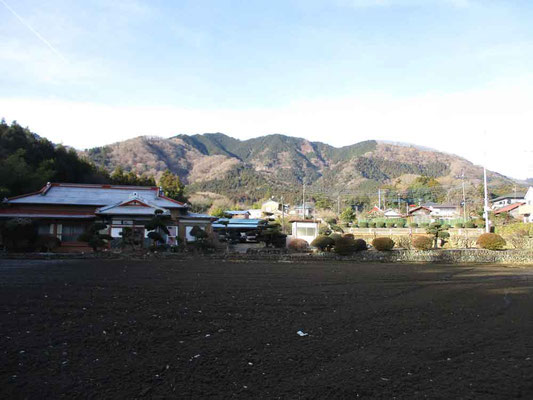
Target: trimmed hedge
[(390, 224), (380, 224), (298, 245), (345, 246), (322, 242), (491, 241), (363, 224), (459, 225), (360, 245), (383, 243), (413, 225), (422, 243), (335, 236)]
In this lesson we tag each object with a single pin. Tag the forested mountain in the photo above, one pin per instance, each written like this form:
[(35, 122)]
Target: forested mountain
[(28, 161), (251, 168)]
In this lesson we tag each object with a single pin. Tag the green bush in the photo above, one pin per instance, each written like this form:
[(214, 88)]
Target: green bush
[(469, 224), (422, 242), (491, 241), (298, 245), (383, 243), (401, 224), (345, 246), (390, 224), (19, 234), (413, 225), (380, 224), (363, 224), (424, 224), (459, 225), (335, 236), (360, 245), (323, 242), (446, 226), (47, 243), (371, 224), (348, 235)]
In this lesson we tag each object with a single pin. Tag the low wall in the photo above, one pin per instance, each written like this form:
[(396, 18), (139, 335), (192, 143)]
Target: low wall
[(455, 256), (367, 232)]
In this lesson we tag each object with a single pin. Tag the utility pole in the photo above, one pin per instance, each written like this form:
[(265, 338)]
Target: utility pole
[(303, 203), (464, 197), (486, 208), (282, 216)]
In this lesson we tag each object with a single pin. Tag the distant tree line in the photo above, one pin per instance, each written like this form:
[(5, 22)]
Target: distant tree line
[(28, 162)]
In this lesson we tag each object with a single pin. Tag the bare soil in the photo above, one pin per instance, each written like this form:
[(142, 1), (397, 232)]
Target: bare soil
[(201, 329)]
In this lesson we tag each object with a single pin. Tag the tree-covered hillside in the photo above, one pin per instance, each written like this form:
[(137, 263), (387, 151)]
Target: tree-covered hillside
[(27, 162)]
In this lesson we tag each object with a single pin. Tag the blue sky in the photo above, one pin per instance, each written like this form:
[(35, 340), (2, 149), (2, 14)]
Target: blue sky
[(450, 74)]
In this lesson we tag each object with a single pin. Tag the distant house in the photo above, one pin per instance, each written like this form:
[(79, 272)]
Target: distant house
[(272, 208), (506, 200), (375, 212), (390, 213), (511, 209), (526, 210), (66, 210), (306, 229), (243, 229), (430, 212), (443, 211), (255, 213), (301, 212), (237, 214)]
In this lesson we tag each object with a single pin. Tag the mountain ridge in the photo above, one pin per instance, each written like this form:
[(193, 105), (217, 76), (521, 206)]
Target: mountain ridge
[(207, 161)]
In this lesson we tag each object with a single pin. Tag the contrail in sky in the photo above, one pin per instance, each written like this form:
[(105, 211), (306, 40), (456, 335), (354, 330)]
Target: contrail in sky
[(46, 42)]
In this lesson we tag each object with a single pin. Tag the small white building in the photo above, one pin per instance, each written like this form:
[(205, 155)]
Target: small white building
[(305, 229), (506, 200), (255, 213), (526, 210)]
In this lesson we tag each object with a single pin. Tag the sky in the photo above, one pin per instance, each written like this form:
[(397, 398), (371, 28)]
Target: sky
[(453, 75)]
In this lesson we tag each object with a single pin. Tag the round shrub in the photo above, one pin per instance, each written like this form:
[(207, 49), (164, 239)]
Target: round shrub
[(446, 226), (491, 241), (322, 242), (348, 235), (401, 224), (424, 224), (383, 243), (363, 224), (380, 224), (335, 236), (360, 245), (459, 225), (469, 224), (422, 243), (47, 243), (345, 246), (298, 245), (371, 224), (390, 224), (413, 225)]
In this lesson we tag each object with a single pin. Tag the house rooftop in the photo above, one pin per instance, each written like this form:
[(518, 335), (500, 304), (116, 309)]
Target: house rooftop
[(507, 208), (95, 195), (518, 195)]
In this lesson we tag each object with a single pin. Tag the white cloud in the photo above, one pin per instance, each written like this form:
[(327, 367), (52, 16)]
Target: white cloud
[(492, 125)]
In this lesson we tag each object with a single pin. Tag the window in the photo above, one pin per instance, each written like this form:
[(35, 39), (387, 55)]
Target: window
[(71, 232), (305, 231), (45, 229)]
